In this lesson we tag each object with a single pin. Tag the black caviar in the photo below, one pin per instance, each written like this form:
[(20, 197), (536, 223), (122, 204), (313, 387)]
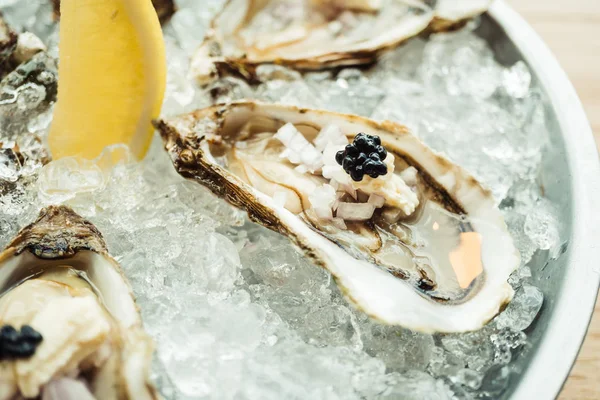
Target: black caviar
[(363, 157), (16, 344)]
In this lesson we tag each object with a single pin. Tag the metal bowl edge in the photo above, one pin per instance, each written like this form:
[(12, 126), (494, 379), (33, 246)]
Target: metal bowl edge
[(552, 361)]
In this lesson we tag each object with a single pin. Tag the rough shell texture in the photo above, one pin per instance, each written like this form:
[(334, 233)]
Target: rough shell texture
[(60, 236), (57, 233)]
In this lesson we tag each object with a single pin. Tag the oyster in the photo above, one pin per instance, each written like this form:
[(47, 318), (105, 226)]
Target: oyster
[(316, 34), (59, 281), (421, 245)]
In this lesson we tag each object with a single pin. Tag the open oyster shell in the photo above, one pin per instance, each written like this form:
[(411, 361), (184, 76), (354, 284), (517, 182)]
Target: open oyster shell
[(438, 260), (57, 277), (316, 34), (164, 9)]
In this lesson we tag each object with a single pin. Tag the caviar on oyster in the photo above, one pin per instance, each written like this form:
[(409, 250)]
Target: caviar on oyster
[(72, 329), (317, 34), (18, 344), (422, 246), (365, 156)]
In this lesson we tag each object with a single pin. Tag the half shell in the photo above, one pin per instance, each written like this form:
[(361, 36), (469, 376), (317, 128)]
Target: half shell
[(57, 277), (440, 266), (317, 34)]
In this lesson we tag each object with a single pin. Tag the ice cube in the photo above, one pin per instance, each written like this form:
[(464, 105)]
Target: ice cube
[(521, 312)]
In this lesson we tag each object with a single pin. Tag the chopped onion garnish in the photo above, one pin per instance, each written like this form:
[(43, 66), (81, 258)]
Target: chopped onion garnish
[(395, 190), (336, 173), (377, 201), (324, 212), (336, 204), (351, 191), (301, 169), (409, 175), (355, 211), (331, 135), (338, 223), (298, 149), (392, 215), (322, 200), (329, 155), (280, 198), (362, 197), (66, 389)]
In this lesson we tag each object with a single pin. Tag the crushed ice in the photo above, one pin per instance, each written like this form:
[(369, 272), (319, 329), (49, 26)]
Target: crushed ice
[(236, 312)]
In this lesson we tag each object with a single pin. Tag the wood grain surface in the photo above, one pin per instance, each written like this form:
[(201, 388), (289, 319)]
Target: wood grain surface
[(571, 29)]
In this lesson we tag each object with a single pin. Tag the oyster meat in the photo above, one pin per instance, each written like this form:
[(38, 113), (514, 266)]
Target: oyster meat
[(316, 34), (58, 280), (414, 240)]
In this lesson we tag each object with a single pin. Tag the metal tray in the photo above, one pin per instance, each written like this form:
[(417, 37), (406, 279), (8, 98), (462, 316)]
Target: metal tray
[(571, 179)]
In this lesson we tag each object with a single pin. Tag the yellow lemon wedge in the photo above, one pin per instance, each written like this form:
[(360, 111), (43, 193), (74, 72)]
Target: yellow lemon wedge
[(111, 78)]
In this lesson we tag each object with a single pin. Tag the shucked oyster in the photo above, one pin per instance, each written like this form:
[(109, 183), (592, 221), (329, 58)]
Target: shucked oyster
[(316, 34), (71, 329), (410, 238)]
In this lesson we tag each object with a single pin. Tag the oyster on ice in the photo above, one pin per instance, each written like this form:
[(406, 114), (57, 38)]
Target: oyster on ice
[(317, 34), (411, 238), (61, 288)]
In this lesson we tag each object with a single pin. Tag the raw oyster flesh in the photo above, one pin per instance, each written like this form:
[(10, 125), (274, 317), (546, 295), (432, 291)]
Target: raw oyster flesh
[(316, 34), (422, 245), (58, 279)]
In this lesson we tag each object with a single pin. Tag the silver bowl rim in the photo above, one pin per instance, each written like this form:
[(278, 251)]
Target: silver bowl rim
[(551, 363)]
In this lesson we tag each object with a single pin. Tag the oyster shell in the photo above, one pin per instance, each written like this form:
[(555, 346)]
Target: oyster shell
[(57, 277), (316, 34), (432, 254)]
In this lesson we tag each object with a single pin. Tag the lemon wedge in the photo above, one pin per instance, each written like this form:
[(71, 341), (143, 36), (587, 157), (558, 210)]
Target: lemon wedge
[(112, 77)]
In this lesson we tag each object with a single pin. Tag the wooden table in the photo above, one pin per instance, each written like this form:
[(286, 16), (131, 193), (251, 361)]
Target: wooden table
[(571, 28)]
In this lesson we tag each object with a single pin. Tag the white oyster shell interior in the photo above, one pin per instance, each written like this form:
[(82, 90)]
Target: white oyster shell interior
[(93, 346), (313, 34), (440, 265)]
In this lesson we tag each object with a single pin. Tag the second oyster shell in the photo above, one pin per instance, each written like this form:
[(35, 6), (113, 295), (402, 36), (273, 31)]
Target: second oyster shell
[(57, 277), (316, 34)]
